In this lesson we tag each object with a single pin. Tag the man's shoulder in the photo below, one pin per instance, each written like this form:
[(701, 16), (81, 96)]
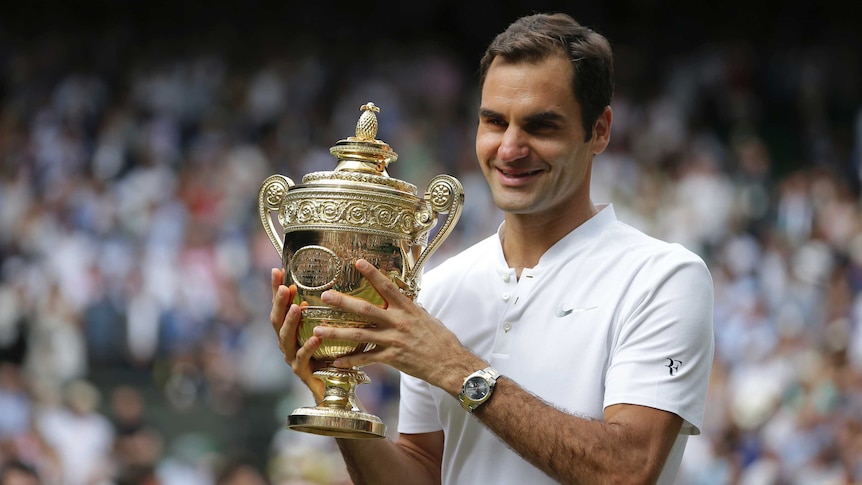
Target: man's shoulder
[(635, 243), (631, 253)]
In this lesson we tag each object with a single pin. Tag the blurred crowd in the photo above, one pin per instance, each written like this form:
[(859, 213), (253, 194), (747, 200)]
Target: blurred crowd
[(134, 271)]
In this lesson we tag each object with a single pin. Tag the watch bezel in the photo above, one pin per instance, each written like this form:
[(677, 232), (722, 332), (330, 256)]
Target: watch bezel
[(489, 377), (477, 388)]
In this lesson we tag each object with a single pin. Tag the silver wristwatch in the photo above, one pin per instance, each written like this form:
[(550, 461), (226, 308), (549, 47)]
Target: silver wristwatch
[(477, 388)]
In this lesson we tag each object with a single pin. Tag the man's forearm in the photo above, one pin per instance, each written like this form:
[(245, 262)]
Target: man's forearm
[(571, 449), (381, 461)]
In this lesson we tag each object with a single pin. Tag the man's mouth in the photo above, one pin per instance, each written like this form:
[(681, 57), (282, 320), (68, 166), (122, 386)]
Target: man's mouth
[(519, 174)]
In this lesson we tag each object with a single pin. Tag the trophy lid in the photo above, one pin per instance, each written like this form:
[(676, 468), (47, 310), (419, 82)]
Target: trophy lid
[(362, 159), (364, 153)]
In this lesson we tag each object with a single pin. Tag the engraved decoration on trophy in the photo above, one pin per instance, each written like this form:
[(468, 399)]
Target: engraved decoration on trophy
[(328, 222)]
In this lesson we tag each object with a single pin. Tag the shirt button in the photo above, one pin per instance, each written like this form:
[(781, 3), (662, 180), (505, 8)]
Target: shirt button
[(506, 277), (505, 297), (507, 326)]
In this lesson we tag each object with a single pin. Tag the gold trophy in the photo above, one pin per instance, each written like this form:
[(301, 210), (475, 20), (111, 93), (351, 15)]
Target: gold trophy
[(331, 220)]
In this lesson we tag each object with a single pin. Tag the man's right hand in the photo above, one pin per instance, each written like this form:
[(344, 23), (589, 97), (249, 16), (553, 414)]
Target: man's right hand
[(284, 318)]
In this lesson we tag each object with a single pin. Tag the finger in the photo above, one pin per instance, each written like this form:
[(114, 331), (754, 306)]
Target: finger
[(304, 354), (304, 367), (353, 305), (381, 282), (284, 296), (357, 334), (360, 359), (287, 333), (280, 300), (276, 279)]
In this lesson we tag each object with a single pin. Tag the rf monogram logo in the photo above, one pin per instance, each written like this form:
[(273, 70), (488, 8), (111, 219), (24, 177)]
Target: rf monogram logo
[(673, 365)]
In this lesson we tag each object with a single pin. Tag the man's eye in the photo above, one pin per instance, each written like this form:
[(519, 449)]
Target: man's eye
[(542, 126)]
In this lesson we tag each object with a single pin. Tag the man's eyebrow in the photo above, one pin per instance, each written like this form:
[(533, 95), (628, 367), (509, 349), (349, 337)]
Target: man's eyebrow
[(487, 113), (542, 117)]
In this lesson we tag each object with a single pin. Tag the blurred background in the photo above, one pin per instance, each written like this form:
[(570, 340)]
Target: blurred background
[(135, 346)]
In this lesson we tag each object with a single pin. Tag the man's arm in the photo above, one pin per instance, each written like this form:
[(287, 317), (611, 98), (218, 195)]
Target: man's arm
[(630, 445), (414, 459)]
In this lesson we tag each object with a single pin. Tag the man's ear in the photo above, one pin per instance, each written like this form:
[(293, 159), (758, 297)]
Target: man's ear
[(602, 131)]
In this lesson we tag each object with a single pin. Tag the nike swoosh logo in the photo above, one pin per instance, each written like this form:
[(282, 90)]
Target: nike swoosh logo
[(562, 312)]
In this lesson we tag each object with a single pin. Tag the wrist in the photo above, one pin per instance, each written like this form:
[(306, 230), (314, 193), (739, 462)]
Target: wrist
[(451, 377)]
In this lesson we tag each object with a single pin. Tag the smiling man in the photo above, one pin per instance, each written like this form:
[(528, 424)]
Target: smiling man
[(541, 354)]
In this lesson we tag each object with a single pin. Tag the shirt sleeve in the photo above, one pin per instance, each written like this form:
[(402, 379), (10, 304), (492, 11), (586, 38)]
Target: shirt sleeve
[(417, 412), (662, 353), (417, 409)]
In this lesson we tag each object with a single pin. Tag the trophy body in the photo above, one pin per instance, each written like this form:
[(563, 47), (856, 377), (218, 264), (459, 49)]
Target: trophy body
[(331, 220)]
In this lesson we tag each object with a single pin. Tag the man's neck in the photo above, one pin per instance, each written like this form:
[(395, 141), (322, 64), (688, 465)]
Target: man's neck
[(526, 238)]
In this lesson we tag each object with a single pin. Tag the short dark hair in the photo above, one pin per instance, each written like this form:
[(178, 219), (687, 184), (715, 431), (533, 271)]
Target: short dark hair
[(536, 37)]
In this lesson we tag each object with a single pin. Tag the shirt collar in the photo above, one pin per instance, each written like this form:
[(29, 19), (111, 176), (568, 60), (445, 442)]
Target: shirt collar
[(572, 243)]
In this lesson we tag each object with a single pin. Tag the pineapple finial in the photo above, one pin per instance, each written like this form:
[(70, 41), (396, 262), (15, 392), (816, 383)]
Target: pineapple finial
[(366, 127)]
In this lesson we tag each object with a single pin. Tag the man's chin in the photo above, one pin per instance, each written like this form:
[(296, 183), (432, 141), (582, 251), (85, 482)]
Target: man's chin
[(516, 209), (513, 203)]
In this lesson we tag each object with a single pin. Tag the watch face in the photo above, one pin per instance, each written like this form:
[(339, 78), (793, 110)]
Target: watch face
[(476, 388)]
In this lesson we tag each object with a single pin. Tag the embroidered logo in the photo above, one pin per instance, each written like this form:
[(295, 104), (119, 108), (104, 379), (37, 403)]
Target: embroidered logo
[(673, 366), (562, 311)]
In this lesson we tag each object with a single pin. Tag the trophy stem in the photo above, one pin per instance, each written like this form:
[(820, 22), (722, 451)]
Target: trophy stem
[(341, 385), (338, 414)]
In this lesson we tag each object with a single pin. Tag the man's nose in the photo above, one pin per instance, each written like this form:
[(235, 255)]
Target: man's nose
[(513, 145)]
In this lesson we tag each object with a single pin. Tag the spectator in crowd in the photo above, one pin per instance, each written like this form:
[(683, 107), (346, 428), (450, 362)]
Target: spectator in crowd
[(79, 434)]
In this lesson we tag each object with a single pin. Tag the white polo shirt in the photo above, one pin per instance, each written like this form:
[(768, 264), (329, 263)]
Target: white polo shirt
[(609, 315)]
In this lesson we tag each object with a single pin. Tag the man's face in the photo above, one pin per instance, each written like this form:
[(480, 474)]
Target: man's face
[(530, 141)]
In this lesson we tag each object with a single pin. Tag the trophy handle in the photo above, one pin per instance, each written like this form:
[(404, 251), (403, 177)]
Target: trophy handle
[(444, 195), (270, 198)]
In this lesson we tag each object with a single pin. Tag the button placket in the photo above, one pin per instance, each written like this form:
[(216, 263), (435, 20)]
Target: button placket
[(507, 297)]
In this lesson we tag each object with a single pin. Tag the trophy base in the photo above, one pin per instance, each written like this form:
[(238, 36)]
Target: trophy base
[(337, 423)]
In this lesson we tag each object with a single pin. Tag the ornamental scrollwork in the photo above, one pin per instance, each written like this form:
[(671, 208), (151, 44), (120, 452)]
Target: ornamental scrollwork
[(370, 215)]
